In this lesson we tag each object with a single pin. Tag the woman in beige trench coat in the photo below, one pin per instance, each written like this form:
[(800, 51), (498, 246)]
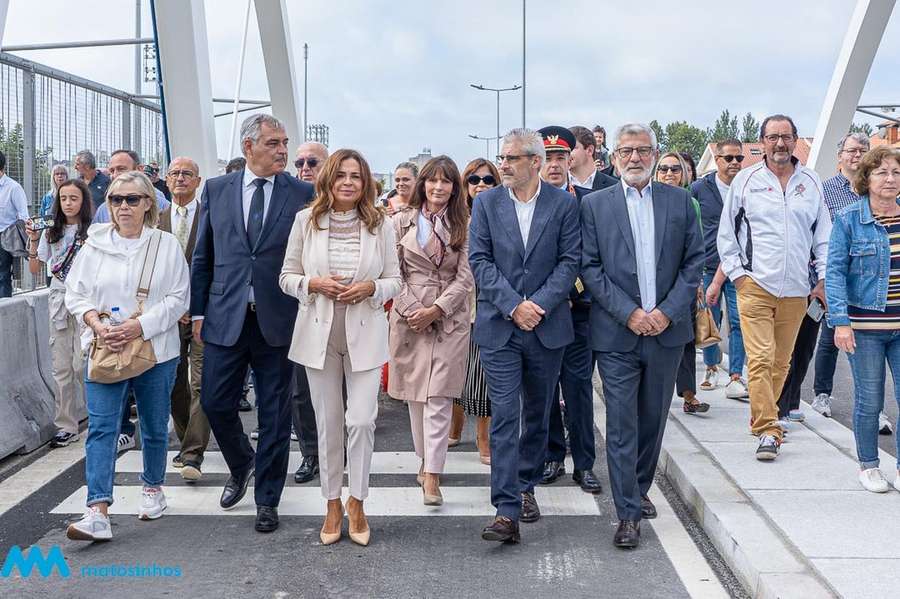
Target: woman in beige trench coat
[(429, 321)]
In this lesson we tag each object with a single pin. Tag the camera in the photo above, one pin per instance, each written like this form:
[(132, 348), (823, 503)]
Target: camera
[(40, 223)]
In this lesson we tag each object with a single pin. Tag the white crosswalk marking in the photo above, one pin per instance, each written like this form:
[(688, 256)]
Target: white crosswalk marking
[(307, 500)]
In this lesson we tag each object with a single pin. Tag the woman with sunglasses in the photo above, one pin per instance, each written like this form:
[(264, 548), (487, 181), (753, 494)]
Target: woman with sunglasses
[(478, 175), (57, 247), (672, 169), (104, 281), (405, 176)]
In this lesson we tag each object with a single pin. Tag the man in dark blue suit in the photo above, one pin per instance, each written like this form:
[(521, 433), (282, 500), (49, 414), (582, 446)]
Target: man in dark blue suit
[(643, 253), (242, 315), (524, 244)]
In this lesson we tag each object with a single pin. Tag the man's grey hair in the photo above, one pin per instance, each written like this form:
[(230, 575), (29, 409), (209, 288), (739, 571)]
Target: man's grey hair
[(859, 137), (252, 126), (530, 140), (87, 158), (634, 129)]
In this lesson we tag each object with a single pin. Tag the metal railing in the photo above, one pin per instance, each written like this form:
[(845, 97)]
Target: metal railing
[(48, 115)]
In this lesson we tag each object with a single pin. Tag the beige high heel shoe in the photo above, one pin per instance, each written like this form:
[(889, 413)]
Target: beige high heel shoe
[(359, 532), (334, 514), (483, 440), (429, 498), (457, 421)]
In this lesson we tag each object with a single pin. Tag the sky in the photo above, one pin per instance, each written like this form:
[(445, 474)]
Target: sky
[(391, 77)]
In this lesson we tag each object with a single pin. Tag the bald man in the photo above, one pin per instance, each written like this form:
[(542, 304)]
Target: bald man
[(191, 425), (311, 156)]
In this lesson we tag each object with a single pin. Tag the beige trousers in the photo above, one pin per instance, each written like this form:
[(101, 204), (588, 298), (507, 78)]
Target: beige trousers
[(325, 386), (67, 359), (430, 423)]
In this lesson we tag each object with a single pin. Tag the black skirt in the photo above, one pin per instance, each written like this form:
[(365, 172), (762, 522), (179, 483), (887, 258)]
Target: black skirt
[(474, 400)]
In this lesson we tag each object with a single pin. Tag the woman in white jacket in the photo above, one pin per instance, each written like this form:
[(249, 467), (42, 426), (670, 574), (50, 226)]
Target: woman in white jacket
[(105, 276)]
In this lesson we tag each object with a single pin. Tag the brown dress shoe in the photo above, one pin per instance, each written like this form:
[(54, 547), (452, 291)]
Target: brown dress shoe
[(648, 510), (502, 529), (530, 510)]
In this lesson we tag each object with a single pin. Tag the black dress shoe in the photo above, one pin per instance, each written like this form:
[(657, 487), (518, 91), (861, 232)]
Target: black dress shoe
[(502, 529), (235, 488), (266, 518), (628, 535), (648, 510), (552, 471), (244, 405), (308, 469), (530, 510), (587, 481)]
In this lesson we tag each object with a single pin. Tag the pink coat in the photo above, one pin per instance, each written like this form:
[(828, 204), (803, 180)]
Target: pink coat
[(431, 363)]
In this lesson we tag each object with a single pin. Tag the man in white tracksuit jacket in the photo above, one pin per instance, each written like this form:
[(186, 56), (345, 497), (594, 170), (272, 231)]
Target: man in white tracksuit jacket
[(774, 221)]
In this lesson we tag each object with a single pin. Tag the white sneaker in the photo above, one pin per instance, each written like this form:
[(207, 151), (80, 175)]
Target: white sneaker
[(873, 480), (710, 379), (822, 404), (153, 503), (737, 389), (884, 424), (93, 526), (125, 442)]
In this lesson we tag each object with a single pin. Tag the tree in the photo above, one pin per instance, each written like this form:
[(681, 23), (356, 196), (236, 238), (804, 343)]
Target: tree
[(725, 127), (862, 128), (751, 129), (683, 137), (660, 135)]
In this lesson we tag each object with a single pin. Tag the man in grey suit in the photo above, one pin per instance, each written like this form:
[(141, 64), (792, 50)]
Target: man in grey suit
[(524, 244), (641, 260)]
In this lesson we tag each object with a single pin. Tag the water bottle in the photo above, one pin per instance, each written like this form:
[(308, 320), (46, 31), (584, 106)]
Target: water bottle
[(115, 316)]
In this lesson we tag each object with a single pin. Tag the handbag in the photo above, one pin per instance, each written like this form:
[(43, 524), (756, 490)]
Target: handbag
[(706, 333), (137, 357)]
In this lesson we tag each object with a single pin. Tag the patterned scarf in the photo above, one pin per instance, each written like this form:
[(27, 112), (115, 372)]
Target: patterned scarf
[(440, 235)]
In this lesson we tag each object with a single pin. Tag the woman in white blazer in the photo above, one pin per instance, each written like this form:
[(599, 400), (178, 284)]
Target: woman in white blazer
[(341, 264), (104, 276)]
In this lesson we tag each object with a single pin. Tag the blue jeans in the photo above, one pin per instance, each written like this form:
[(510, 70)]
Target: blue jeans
[(6, 264), (713, 355), (867, 364), (105, 404), (826, 361)]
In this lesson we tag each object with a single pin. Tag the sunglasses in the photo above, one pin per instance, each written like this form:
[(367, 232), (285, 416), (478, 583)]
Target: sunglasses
[(730, 157), (665, 168), (312, 162), (132, 200), (475, 180)]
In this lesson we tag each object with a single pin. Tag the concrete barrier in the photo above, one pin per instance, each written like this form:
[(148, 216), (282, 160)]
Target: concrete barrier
[(27, 388)]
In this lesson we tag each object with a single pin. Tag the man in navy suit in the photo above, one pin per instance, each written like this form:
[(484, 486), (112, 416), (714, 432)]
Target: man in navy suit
[(524, 245), (643, 253), (241, 314)]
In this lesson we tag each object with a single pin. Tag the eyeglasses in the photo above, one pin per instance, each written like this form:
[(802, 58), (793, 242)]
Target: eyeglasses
[(773, 138), (185, 174), (311, 162), (730, 157), (132, 200), (625, 152), (475, 180), (511, 157), (855, 151), (665, 168)]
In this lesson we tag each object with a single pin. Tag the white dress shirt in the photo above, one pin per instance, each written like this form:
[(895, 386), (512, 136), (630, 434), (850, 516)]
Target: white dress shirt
[(249, 188), (587, 183), (13, 203), (643, 230), (525, 212)]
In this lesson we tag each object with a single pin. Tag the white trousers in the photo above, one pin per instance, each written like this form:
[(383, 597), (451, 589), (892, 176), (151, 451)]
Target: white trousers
[(430, 424), (68, 372), (325, 389)]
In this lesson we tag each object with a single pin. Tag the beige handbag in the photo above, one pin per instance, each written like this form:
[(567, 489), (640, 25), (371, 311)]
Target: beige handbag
[(137, 357), (706, 333)]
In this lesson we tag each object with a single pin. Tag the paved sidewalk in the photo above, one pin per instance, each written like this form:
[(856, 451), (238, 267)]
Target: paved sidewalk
[(800, 526)]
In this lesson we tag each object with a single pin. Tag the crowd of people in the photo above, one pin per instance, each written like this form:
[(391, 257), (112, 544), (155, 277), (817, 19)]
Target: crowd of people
[(494, 292)]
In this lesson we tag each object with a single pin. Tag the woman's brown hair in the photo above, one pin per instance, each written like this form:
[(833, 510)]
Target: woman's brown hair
[(85, 214), (457, 212), (470, 169), (369, 214), (868, 163)]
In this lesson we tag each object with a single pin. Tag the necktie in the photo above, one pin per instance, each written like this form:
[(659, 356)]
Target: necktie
[(255, 220), (181, 231)]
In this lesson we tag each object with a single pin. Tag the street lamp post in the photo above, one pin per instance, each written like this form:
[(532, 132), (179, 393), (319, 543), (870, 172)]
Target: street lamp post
[(496, 90), (487, 144)]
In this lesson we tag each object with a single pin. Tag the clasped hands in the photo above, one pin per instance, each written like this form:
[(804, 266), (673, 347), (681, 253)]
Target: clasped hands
[(644, 323), (527, 315), (332, 288), (117, 337)]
